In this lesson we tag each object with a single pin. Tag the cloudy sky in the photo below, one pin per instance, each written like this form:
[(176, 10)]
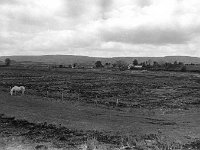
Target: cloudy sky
[(102, 28)]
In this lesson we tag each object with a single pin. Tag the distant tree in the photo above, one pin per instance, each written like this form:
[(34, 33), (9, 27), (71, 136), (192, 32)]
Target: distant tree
[(149, 62), (184, 69), (175, 63), (135, 62), (107, 64), (61, 66), (98, 64), (180, 63), (7, 61), (121, 65), (155, 64), (69, 66), (143, 64), (114, 65), (168, 65), (74, 65)]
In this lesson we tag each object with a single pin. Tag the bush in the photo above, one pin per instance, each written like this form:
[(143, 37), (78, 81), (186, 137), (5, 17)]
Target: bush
[(7, 61), (98, 64), (183, 69)]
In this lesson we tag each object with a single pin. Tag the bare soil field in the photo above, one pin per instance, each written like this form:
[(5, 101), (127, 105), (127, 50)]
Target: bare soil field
[(153, 109)]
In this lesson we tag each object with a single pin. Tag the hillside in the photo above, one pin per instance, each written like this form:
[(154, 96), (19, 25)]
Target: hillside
[(70, 59), (58, 59)]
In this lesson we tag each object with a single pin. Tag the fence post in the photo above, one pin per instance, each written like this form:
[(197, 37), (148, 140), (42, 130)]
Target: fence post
[(117, 102), (78, 97), (96, 100), (62, 96)]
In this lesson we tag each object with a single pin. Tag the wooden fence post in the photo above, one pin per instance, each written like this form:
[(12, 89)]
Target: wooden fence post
[(62, 96), (96, 100), (78, 97), (117, 102)]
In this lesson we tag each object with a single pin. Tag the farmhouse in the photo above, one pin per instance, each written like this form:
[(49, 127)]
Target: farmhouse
[(138, 66), (131, 66)]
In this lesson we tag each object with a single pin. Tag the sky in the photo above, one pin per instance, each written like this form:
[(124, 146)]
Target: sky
[(100, 28)]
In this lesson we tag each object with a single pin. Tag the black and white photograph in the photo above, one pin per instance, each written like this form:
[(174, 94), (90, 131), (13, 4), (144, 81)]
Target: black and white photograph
[(99, 75)]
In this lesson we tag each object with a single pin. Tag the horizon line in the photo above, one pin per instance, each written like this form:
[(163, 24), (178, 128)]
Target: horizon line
[(98, 56)]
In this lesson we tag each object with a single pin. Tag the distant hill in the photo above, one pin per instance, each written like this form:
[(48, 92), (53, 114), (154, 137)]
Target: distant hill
[(70, 59), (57, 59)]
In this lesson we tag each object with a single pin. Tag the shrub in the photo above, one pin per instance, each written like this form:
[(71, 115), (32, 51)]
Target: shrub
[(183, 69), (7, 61)]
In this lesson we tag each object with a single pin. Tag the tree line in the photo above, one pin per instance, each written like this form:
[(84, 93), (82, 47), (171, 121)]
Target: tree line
[(122, 65), (151, 65)]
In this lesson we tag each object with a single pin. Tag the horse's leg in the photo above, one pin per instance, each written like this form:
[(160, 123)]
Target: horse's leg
[(23, 91)]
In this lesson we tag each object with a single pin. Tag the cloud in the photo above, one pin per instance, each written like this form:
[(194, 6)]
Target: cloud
[(10, 2), (147, 35), (144, 3), (75, 8), (100, 27), (105, 6)]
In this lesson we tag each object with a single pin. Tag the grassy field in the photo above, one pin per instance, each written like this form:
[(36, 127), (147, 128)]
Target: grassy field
[(139, 107)]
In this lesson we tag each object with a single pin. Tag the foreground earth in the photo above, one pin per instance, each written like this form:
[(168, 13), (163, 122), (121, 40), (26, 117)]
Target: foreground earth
[(66, 124)]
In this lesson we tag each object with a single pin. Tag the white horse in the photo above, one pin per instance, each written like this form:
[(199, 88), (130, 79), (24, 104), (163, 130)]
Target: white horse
[(17, 89)]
